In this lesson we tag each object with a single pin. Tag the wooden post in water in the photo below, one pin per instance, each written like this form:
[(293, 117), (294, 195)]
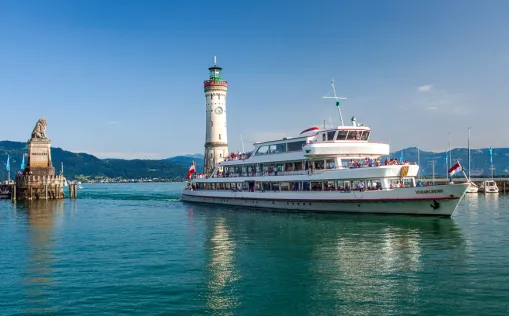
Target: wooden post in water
[(13, 192), (46, 191), (75, 191)]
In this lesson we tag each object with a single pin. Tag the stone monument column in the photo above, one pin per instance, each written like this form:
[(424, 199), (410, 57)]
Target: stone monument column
[(38, 180)]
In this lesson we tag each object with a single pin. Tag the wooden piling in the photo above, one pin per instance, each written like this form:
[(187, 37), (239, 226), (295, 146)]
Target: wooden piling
[(13, 192)]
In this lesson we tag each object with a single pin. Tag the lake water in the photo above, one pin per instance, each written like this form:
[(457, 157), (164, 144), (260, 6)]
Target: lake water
[(137, 249)]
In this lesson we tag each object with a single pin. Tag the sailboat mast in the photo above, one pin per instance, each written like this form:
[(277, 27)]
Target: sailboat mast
[(469, 153)]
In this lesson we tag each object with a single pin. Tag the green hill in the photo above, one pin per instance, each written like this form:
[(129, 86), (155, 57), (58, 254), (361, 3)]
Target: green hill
[(85, 165)]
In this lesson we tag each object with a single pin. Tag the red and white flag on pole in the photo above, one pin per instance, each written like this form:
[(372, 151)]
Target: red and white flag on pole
[(191, 171), (455, 169)]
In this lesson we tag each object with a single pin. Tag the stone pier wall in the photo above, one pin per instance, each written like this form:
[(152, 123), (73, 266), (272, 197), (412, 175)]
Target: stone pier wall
[(37, 187)]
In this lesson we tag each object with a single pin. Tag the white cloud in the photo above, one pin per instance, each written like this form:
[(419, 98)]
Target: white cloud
[(425, 88)]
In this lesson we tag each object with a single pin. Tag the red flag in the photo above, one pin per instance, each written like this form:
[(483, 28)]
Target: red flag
[(455, 169), (191, 171)]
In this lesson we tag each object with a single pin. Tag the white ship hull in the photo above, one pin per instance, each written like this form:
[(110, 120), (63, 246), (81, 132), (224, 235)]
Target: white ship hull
[(472, 188), (433, 200), (489, 190)]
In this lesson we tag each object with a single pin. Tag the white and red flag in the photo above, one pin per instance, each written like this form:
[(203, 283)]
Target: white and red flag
[(192, 170), (455, 169)]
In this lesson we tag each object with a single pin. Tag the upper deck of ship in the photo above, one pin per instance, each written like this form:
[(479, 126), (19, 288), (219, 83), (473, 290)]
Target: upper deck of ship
[(314, 143)]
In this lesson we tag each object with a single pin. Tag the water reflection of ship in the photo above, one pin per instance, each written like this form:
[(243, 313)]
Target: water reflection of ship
[(38, 275), (348, 259), (492, 201)]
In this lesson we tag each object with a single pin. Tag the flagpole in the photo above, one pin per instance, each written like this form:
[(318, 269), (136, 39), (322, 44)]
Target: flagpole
[(418, 159), (450, 154), (8, 166)]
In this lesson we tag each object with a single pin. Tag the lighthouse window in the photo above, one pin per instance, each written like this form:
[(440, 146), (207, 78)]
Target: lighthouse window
[(219, 136)]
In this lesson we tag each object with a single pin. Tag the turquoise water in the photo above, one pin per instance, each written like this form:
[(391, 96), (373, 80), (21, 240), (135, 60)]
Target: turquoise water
[(137, 249)]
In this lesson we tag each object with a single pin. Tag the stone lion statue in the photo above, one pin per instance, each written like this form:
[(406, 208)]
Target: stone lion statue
[(40, 128)]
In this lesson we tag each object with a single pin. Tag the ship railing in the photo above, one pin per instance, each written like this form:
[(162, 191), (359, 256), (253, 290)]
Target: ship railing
[(293, 172)]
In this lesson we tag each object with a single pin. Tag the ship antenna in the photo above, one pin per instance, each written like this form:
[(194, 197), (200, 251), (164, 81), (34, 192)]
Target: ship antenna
[(335, 97)]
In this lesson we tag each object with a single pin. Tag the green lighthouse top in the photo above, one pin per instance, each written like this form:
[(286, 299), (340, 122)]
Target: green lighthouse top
[(215, 72)]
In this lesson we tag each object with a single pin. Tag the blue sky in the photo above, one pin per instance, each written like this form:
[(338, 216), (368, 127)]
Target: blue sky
[(124, 79)]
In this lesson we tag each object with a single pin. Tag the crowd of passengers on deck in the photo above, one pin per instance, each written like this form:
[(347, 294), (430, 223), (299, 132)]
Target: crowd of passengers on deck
[(295, 168), (369, 162), (238, 156)]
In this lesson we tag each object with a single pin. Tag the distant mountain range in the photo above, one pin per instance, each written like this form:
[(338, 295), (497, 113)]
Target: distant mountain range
[(84, 165)]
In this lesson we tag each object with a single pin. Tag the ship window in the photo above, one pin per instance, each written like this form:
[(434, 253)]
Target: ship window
[(329, 164), (324, 137), (354, 135), (365, 135), (330, 135), (316, 186), (319, 165), (278, 148), (329, 186), (341, 135), (262, 150), (296, 146)]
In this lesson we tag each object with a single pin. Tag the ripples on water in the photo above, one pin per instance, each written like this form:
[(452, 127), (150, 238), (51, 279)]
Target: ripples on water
[(137, 249)]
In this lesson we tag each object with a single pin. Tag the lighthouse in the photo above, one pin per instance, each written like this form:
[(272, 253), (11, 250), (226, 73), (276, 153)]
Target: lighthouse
[(216, 142)]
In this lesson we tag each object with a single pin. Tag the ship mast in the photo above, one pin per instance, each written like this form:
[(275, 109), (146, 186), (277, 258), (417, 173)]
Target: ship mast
[(335, 97)]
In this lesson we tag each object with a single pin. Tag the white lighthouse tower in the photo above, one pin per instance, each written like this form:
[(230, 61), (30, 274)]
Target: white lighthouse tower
[(216, 142)]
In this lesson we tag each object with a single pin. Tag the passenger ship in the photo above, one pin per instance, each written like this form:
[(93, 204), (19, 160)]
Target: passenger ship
[(324, 170)]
